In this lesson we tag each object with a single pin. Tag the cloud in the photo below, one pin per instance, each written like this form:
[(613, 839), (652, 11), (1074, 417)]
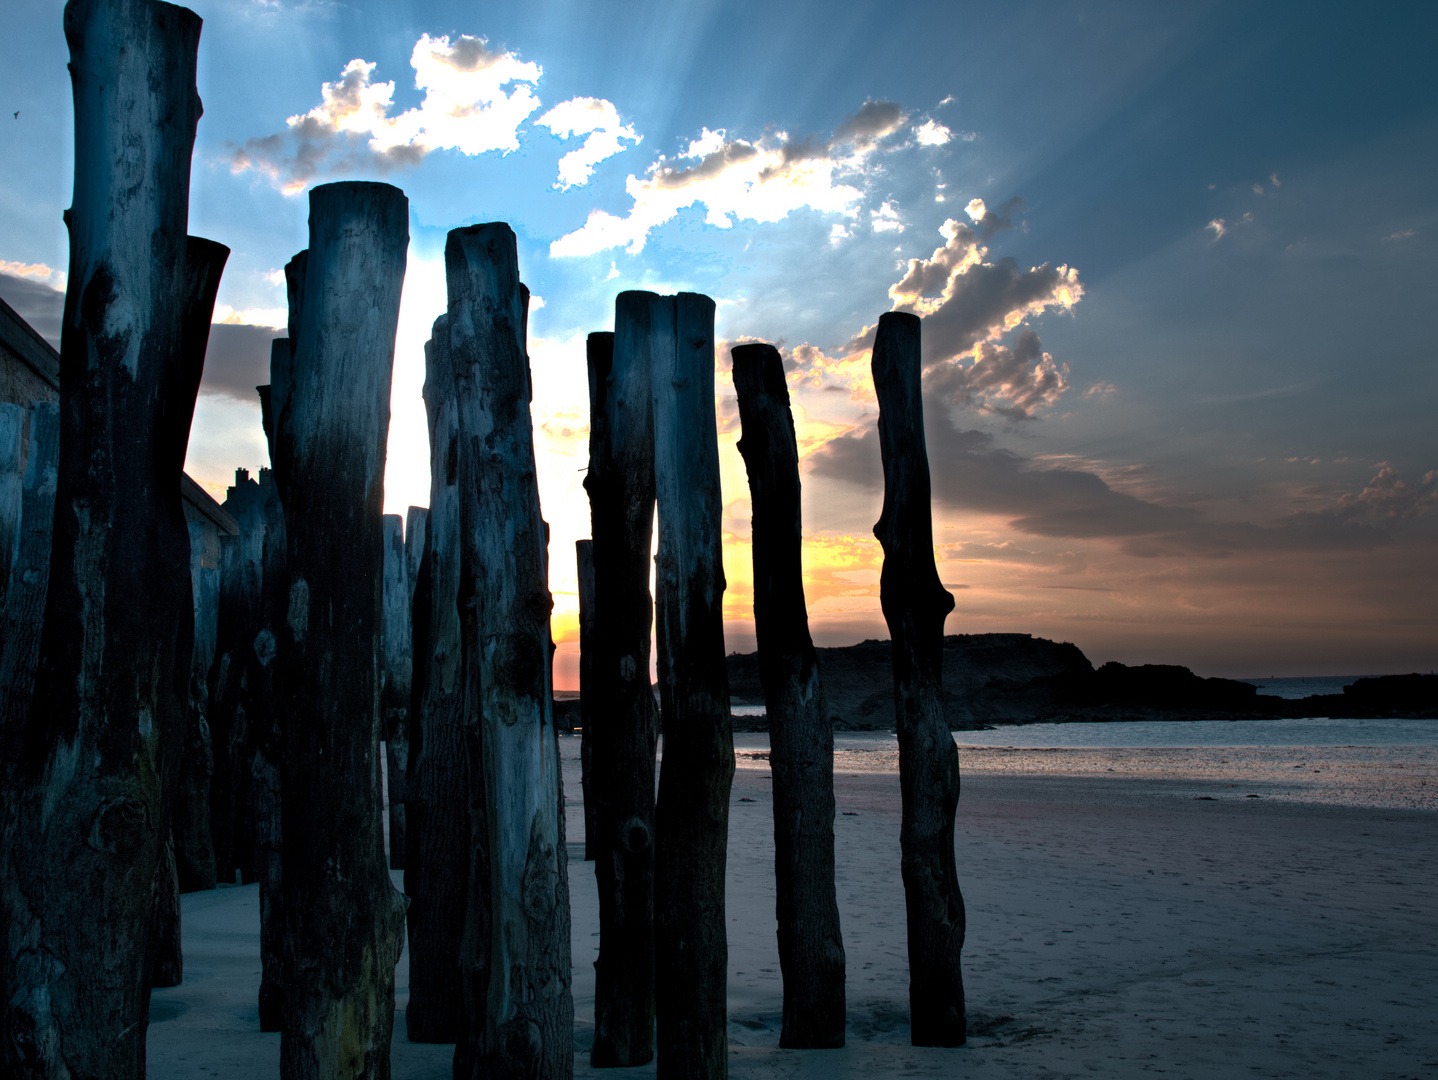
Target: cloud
[(932, 133), (885, 218), (763, 180), (39, 305), (238, 360), (465, 108), (1219, 227), (970, 474), (1403, 234), (599, 120), (965, 300), (1012, 381)]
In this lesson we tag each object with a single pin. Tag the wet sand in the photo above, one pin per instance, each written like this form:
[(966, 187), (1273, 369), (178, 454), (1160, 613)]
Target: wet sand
[(1149, 920)]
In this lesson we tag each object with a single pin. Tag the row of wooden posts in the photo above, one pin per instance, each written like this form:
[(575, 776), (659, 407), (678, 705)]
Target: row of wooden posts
[(107, 679)]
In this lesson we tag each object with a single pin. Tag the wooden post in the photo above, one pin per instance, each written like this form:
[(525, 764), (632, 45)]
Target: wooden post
[(620, 484), (523, 1020), (395, 669), (82, 841), (692, 815), (343, 918), (443, 740), (801, 736), (915, 606), (415, 520), (24, 609), (13, 420), (588, 698)]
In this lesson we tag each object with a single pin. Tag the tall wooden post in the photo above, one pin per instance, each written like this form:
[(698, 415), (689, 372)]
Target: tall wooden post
[(81, 841), (915, 606), (801, 735), (692, 815), (524, 1018), (396, 667), (443, 741), (620, 484), (344, 919), (588, 699)]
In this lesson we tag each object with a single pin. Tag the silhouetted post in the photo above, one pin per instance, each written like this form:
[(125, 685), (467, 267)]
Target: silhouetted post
[(801, 735), (523, 1016), (394, 695), (915, 606), (343, 918), (12, 482), (184, 776), (444, 741), (82, 841), (620, 484), (24, 609), (692, 816), (415, 520), (588, 703)]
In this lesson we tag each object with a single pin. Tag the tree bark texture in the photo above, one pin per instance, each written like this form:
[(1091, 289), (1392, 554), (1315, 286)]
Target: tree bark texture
[(801, 735), (692, 815), (588, 699), (86, 807), (624, 720), (443, 739), (24, 610), (343, 918), (395, 668), (167, 956), (524, 1013), (915, 606)]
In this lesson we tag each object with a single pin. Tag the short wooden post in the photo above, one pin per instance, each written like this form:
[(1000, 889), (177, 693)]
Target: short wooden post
[(343, 918), (915, 606), (620, 484), (801, 736), (443, 741), (692, 816), (523, 1019)]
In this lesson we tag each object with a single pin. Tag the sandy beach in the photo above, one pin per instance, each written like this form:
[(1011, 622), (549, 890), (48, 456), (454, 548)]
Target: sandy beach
[(1131, 913)]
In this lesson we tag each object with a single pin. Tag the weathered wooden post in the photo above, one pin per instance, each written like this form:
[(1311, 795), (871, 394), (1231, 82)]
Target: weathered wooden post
[(24, 609), (801, 735), (12, 483), (692, 814), (415, 520), (84, 841), (444, 741), (343, 918), (395, 670), (915, 606), (523, 1020), (620, 484), (194, 851), (588, 699)]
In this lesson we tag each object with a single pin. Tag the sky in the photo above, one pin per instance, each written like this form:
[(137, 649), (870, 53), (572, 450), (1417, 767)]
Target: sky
[(1175, 264)]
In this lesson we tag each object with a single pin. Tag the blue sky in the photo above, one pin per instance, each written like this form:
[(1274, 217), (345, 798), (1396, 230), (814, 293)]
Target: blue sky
[(1175, 263)]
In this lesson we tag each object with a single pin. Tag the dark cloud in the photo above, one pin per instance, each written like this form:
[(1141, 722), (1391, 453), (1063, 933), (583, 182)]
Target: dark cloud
[(1011, 381), (711, 164), (468, 53), (874, 120), (39, 305), (982, 298), (969, 473), (992, 222), (238, 360)]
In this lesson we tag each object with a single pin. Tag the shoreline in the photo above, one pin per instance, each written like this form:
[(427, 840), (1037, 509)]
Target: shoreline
[(1119, 925)]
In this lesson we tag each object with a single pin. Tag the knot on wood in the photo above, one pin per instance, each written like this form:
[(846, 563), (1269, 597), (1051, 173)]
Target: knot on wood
[(635, 836), (120, 826), (265, 647)]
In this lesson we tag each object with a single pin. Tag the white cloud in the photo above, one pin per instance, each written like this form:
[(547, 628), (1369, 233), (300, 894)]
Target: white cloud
[(275, 318), (599, 120), (48, 274), (738, 180), (933, 133), (1219, 227), (465, 108), (838, 233), (885, 218)]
